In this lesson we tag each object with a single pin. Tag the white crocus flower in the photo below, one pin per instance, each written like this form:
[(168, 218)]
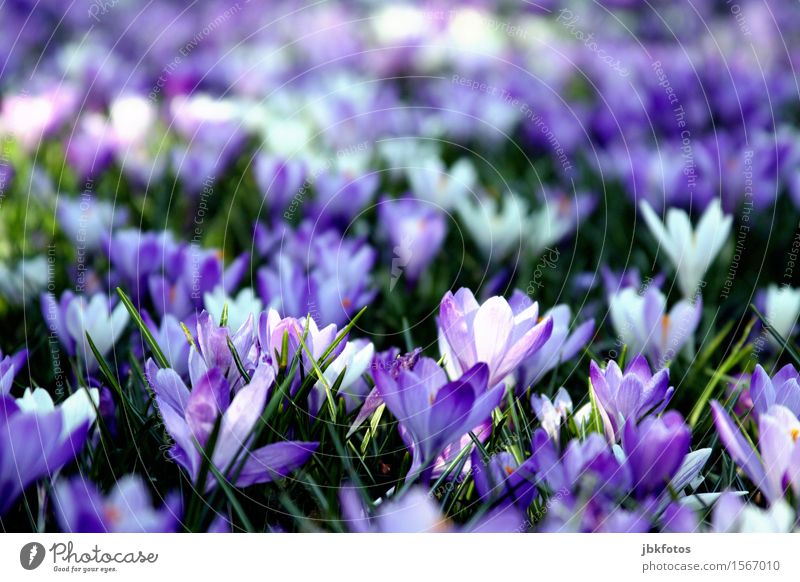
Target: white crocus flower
[(433, 182), (99, 321), (552, 413), (354, 360), (782, 308), (497, 232), (78, 408), (239, 308), (691, 251)]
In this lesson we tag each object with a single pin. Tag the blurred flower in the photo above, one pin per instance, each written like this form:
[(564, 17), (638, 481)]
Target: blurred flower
[(644, 325), (558, 218), (279, 181), (781, 310), (691, 251), (629, 396), (10, 366), (416, 231), (88, 221), (80, 508), (432, 181), (497, 233), (245, 304), (732, 515), (500, 334), (60, 433), (24, 280), (31, 118)]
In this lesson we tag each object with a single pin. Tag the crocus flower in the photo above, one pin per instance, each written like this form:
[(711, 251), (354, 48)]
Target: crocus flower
[(732, 515), (59, 431), (417, 512), (779, 461), (557, 219), (278, 180), (630, 395), (502, 480), (73, 317), (415, 231), (655, 450), (645, 326), (552, 414), (10, 366), (81, 508), (172, 340), (783, 388), (500, 334), (433, 412), (561, 347), (691, 251), (433, 182), (781, 310), (22, 281), (87, 221), (497, 232), (240, 308), (189, 417), (352, 361)]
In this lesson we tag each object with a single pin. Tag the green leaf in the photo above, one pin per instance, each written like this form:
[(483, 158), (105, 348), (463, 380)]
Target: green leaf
[(158, 355)]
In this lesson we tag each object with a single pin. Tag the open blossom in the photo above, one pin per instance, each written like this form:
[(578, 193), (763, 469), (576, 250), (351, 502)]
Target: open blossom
[(81, 508), (552, 414), (644, 325), (433, 412), (732, 515), (189, 417), (498, 333), (782, 310), (240, 308), (73, 317), (352, 361), (60, 434), (630, 395), (691, 250), (778, 463)]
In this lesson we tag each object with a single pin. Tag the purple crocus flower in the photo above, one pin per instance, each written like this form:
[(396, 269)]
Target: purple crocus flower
[(497, 333), (502, 480), (172, 340), (655, 450), (783, 388), (37, 439), (415, 230), (189, 417), (433, 412), (417, 512), (560, 347), (10, 366), (630, 395), (80, 508), (278, 180), (779, 462), (340, 197)]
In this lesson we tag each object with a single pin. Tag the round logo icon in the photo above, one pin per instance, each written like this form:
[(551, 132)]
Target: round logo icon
[(31, 555)]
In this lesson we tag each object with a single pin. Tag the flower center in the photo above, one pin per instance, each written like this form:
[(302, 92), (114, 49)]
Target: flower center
[(795, 432)]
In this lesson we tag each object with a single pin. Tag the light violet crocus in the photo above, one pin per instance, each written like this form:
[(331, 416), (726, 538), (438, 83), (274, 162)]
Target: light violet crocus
[(37, 438), (503, 481), (189, 418), (732, 515), (783, 388), (644, 325), (630, 395), (351, 363), (690, 250), (434, 413), (782, 310), (415, 231), (81, 508), (75, 316), (552, 414), (10, 366), (778, 464), (432, 181), (501, 334)]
